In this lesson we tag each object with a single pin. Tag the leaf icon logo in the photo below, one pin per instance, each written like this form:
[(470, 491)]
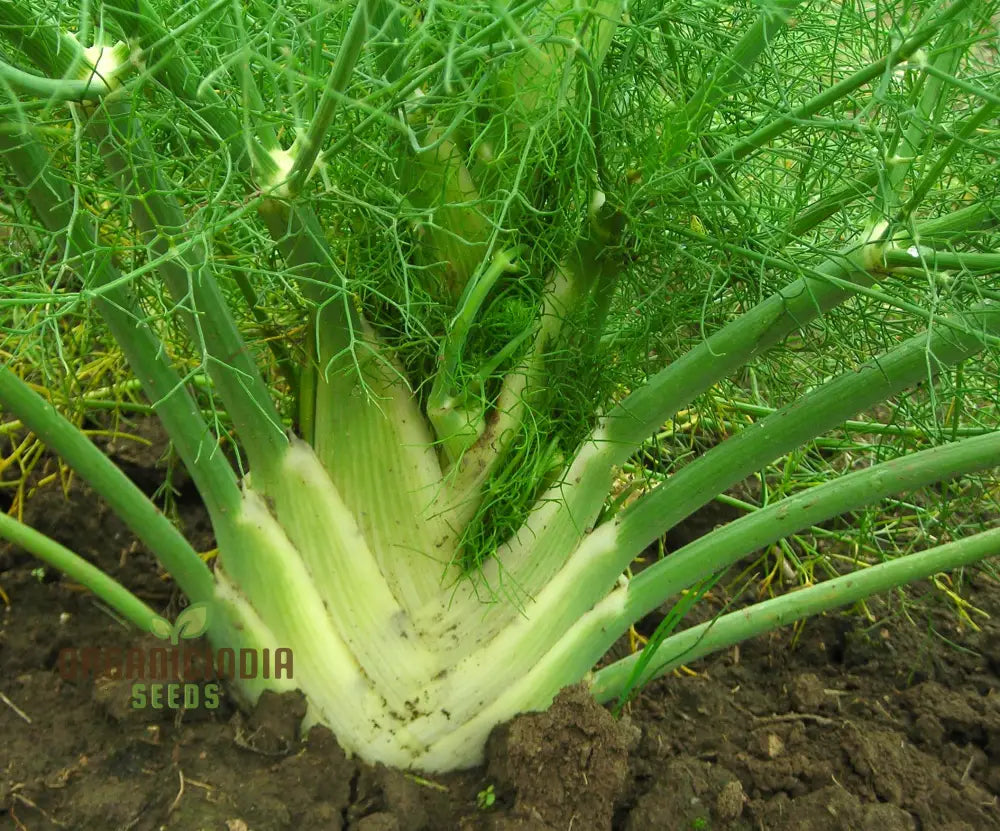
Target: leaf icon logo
[(191, 623), (160, 627)]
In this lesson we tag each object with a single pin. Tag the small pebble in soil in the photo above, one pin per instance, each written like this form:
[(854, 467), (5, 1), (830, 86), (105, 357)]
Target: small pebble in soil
[(729, 803)]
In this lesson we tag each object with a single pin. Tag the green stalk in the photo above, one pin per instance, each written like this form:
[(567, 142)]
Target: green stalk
[(76, 568), (969, 126), (774, 128), (584, 281), (279, 351), (40, 39), (372, 437), (295, 228), (791, 308), (597, 630), (56, 207), (852, 426), (387, 19), (734, 627), (828, 205), (965, 86), (928, 258), (158, 215), (520, 389), (601, 558), (967, 220), (309, 144), (269, 164), (877, 295), (926, 98), (727, 75), (336, 325), (458, 422), (125, 499), (794, 425), (53, 89), (437, 180), (217, 123), (209, 321), (582, 491), (721, 354), (555, 36)]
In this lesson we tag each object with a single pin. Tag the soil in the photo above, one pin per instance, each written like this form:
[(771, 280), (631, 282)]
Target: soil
[(881, 724)]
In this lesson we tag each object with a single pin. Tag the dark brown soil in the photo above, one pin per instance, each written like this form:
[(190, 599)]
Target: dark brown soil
[(848, 725)]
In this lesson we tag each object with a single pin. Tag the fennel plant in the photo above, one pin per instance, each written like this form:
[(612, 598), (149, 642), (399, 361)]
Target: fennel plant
[(438, 271)]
